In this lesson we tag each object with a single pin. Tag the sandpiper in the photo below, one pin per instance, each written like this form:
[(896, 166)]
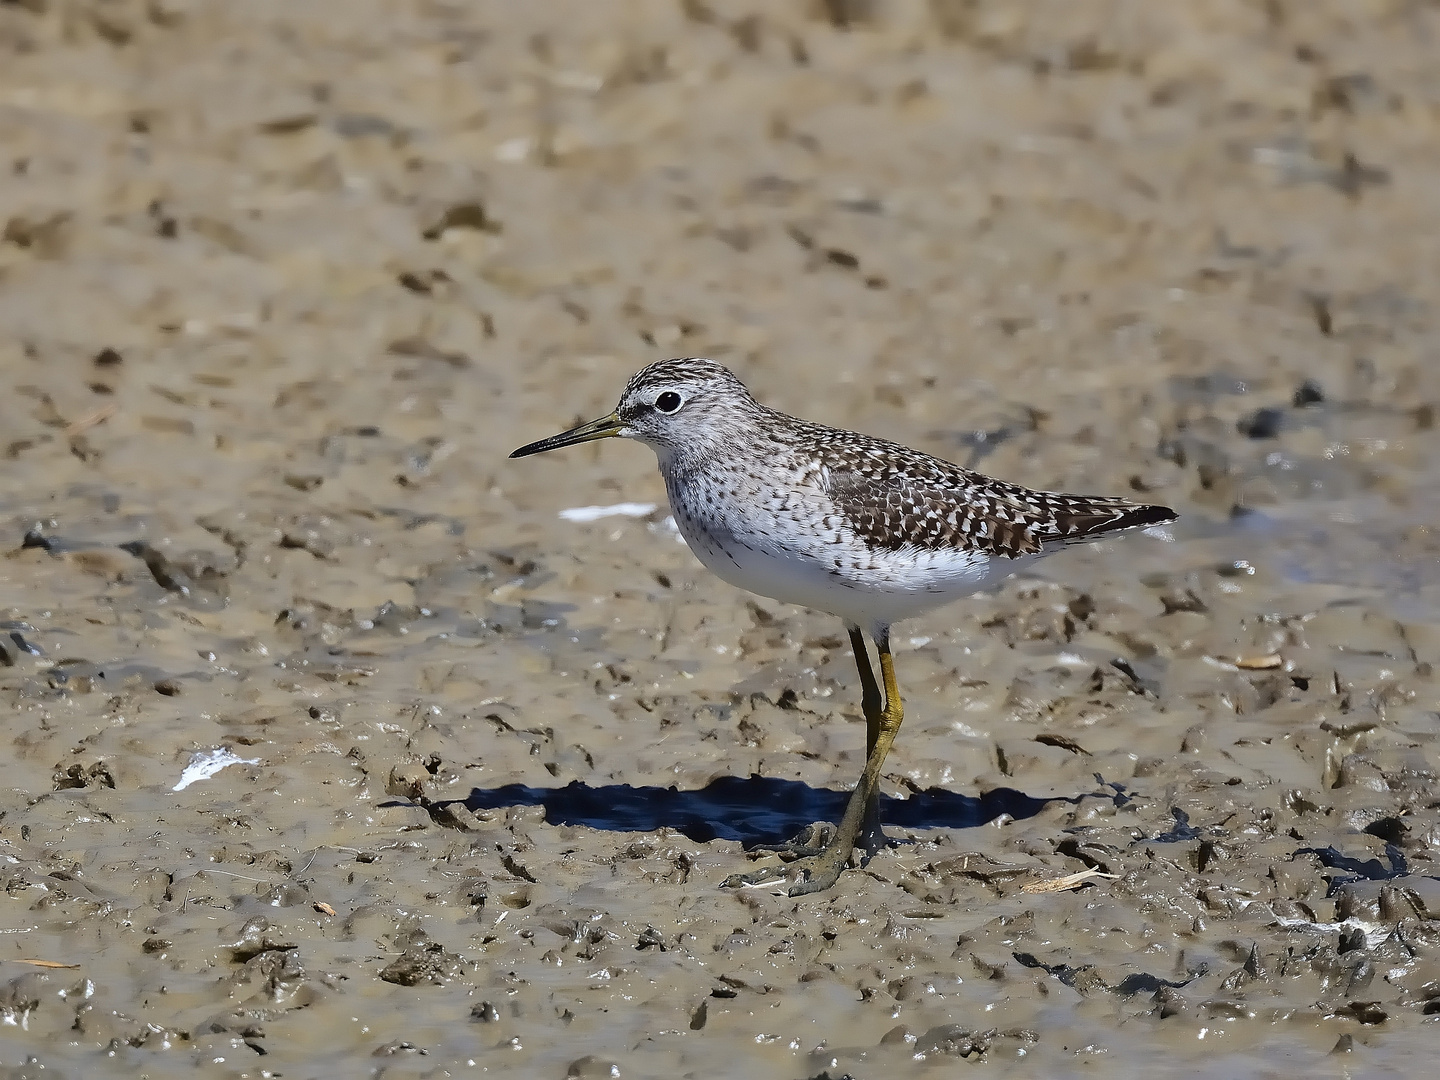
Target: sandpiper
[(865, 529)]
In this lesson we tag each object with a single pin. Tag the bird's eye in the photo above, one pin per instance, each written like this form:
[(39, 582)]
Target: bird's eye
[(669, 402)]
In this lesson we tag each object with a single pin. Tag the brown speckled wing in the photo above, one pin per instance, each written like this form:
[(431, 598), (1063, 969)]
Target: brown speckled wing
[(901, 497)]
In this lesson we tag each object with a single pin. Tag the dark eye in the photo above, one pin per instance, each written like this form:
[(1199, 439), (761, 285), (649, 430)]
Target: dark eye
[(669, 402)]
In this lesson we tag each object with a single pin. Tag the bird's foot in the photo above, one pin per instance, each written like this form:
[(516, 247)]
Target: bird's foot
[(805, 874), (811, 840), (872, 839)]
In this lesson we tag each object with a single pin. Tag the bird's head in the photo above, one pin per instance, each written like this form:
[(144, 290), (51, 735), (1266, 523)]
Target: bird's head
[(677, 407)]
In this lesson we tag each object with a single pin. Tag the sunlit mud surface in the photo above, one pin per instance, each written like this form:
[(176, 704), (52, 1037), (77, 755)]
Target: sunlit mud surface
[(332, 747)]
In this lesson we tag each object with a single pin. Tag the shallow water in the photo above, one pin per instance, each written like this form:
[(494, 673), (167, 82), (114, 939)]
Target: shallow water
[(283, 284)]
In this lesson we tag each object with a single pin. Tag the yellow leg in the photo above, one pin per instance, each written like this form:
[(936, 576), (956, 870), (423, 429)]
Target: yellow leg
[(820, 871), (870, 703), (872, 835)]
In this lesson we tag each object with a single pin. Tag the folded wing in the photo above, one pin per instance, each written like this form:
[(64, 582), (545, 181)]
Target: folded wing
[(932, 504)]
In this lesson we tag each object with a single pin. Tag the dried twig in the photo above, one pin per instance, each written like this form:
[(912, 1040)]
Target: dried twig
[(1069, 881)]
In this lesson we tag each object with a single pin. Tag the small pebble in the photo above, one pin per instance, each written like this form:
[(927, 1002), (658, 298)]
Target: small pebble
[(1308, 393), (1261, 424)]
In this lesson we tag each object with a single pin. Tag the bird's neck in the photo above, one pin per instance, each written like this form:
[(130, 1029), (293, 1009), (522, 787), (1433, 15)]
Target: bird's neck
[(714, 445)]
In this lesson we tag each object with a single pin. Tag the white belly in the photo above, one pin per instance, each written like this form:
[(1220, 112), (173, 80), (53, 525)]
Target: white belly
[(825, 569)]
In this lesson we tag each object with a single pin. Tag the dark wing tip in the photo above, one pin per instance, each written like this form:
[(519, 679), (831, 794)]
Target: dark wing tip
[(1146, 515), (1094, 521)]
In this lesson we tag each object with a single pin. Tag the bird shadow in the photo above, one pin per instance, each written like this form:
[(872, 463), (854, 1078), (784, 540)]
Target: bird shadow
[(753, 810)]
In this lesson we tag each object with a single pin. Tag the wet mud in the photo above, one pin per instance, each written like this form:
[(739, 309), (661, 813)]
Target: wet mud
[(335, 743)]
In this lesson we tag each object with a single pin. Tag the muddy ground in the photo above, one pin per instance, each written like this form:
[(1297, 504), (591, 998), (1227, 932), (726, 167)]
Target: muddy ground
[(282, 284)]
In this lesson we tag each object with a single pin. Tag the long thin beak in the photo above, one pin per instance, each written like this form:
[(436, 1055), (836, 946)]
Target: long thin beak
[(607, 427)]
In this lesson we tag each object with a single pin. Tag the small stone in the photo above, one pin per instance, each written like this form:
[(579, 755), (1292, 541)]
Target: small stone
[(1261, 424), (1308, 393), (591, 1067), (35, 538), (1267, 662), (465, 215), (1367, 1012), (425, 963)]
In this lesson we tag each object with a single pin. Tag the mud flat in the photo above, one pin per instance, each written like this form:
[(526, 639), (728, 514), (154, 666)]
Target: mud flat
[(333, 748)]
